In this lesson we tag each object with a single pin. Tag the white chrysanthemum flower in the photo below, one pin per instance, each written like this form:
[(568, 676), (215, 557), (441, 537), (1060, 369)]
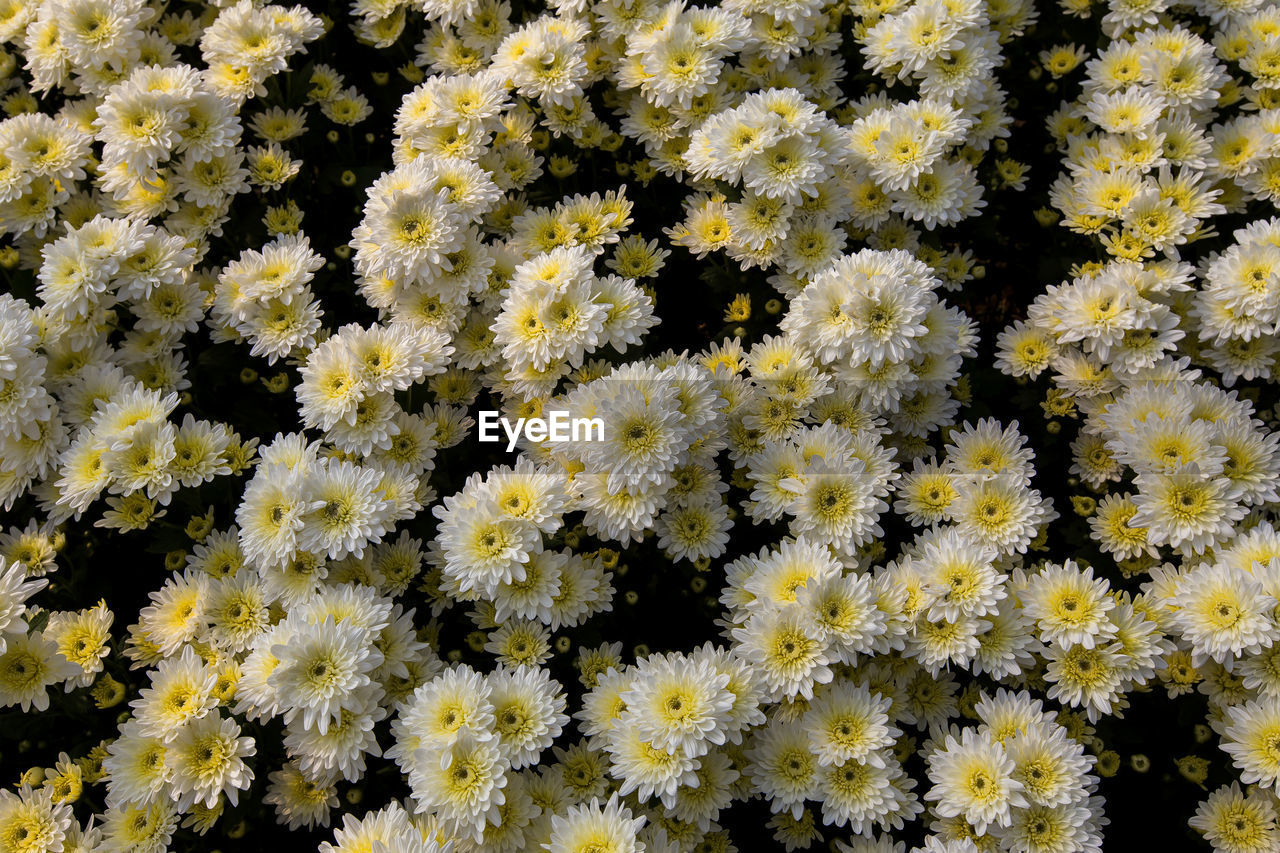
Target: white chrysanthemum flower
[(1088, 677), (15, 589), (1224, 613), (592, 826), (342, 747), (397, 356), (628, 311), (1051, 766), (1163, 445), (643, 433), (457, 699), (1186, 509), (788, 653), (937, 644), (1111, 528), (140, 826), (783, 767), (29, 665), (960, 576), (528, 713), (694, 531), (409, 226), (972, 776), (346, 510), (82, 637), (743, 684), (525, 492), (1133, 110), (34, 820), (1006, 646), (300, 800), (999, 511), (1069, 606), (774, 578), (1007, 713), (848, 722), (136, 767), (462, 783), (181, 690), (1236, 821), (602, 705), (333, 384), (520, 643), (835, 502), (545, 61), (372, 429), (863, 308), (206, 762), (321, 668), (645, 769), (717, 782), (678, 704), (483, 545), (844, 610), (381, 826), (1066, 826), (235, 612), (858, 794), (1252, 739), (270, 515), (986, 447), (534, 596)]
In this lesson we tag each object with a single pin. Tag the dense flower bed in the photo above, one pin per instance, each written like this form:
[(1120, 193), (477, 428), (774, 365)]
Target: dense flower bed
[(933, 505)]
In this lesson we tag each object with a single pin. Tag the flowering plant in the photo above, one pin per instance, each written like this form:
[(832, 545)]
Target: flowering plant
[(932, 358)]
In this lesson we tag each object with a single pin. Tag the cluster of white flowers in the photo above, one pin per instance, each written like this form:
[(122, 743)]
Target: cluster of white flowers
[(554, 311), (874, 322), (1159, 350), (262, 297), (896, 648), (31, 433), (462, 737), (1019, 774)]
